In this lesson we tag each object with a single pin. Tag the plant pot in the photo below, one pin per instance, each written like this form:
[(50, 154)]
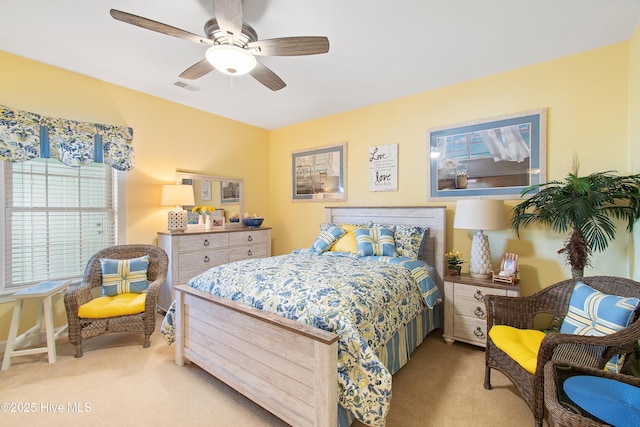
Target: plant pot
[(454, 271), (461, 182)]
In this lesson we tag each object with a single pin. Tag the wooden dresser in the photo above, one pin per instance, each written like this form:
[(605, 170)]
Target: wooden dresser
[(464, 310), (192, 252)]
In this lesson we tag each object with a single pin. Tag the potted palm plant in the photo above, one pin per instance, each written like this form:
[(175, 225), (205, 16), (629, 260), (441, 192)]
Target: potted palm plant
[(585, 207)]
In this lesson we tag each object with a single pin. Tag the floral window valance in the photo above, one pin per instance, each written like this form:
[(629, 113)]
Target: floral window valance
[(25, 136)]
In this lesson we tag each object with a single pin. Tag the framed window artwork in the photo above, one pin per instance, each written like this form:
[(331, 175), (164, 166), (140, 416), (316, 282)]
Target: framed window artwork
[(319, 174), (229, 192), (490, 158)]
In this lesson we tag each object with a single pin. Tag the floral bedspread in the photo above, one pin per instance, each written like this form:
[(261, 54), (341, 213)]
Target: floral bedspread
[(364, 300)]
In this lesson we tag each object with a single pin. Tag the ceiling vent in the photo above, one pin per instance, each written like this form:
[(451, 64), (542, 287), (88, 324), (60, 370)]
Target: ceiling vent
[(186, 86)]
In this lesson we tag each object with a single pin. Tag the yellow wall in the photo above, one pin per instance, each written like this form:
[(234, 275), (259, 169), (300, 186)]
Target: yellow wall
[(590, 100), (634, 138), (167, 137), (586, 100)]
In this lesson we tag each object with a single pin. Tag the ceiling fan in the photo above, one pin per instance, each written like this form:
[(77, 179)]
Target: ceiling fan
[(233, 44)]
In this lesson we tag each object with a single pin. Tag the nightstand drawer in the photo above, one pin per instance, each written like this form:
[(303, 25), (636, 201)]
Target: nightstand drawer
[(475, 293), (474, 309), (469, 329)]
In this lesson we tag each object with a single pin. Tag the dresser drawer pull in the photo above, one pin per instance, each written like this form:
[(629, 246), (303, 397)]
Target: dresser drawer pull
[(206, 242), (250, 238), (206, 258), (478, 295), (249, 253), (479, 312), (478, 332)]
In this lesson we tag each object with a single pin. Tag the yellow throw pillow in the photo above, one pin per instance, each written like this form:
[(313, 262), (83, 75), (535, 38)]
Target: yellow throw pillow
[(521, 345), (347, 242), (118, 305)]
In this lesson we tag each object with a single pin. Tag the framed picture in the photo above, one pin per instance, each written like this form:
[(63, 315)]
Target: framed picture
[(319, 174), (206, 190), (217, 222), (491, 158), (229, 192)]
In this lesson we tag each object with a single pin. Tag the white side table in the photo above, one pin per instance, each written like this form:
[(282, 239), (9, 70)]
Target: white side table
[(44, 292)]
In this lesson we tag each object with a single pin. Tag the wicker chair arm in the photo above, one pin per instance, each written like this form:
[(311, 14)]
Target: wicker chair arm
[(601, 348), (152, 294), (75, 297)]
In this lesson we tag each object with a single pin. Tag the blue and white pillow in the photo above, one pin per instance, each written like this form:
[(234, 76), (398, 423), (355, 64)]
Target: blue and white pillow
[(121, 276), (594, 313), (409, 239), (327, 237), (376, 241)]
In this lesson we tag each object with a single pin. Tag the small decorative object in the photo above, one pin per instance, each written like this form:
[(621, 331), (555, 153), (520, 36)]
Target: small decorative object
[(454, 262), (216, 222), (252, 221), (508, 269), (461, 179), (234, 218), (204, 212)]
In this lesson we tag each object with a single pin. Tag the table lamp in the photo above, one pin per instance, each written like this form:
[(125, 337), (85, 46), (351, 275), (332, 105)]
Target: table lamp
[(177, 195), (480, 214)]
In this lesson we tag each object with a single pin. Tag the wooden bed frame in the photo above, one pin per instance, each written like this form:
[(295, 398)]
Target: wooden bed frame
[(288, 368)]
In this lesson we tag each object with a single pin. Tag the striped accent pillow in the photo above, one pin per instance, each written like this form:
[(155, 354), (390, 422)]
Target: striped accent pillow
[(121, 276), (328, 236), (593, 313), (375, 241)]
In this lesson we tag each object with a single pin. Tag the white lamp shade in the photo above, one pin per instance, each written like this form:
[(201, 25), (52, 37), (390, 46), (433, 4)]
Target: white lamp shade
[(480, 214), (177, 195)]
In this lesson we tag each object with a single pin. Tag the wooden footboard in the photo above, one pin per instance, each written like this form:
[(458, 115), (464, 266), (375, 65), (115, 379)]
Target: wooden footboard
[(286, 367)]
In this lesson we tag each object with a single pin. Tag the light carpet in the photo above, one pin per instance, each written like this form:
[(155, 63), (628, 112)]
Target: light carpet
[(117, 382)]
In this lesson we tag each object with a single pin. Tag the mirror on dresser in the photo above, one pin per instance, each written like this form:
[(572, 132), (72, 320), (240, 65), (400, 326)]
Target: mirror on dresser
[(223, 193)]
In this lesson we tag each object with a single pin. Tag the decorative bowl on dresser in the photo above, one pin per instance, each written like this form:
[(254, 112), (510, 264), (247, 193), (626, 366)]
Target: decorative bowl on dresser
[(192, 252), (464, 309)]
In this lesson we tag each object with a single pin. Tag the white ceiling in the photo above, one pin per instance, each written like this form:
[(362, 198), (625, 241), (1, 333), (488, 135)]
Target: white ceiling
[(379, 50)]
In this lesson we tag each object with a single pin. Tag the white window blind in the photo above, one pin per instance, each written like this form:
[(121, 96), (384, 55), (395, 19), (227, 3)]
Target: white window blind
[(55, 218)]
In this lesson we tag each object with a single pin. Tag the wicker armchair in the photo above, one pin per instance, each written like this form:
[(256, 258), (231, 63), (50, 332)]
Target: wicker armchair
[(519, 312), (560, 416), (81, 329)]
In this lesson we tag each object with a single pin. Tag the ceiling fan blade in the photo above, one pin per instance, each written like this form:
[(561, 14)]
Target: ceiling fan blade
[(197, 70), (229, 16), (290, 46), (158, 27), (267, 77)]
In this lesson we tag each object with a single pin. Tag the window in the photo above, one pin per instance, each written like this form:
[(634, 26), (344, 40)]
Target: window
[(55, 217)]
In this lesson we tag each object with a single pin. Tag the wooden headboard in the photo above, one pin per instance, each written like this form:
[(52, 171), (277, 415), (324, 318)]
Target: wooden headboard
[(433, 217)]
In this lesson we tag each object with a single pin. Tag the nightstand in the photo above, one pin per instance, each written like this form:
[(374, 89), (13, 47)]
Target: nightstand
[(464, 309)]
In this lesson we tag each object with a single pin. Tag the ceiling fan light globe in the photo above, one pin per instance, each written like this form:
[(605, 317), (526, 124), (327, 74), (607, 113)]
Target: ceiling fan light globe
[(231, 60)]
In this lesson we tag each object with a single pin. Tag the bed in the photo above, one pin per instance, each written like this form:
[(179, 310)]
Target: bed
[(288, 366)]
